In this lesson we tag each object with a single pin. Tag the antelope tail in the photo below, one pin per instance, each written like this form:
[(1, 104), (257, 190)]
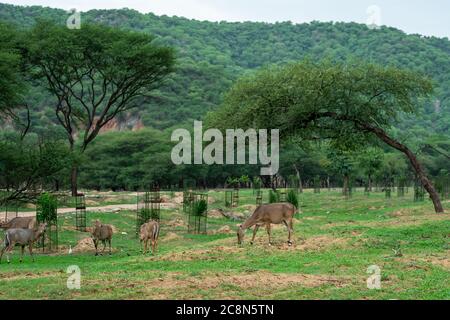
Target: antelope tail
[(156, 231)]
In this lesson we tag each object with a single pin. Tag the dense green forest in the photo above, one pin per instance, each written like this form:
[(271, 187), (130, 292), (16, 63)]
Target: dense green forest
[(210, 57)]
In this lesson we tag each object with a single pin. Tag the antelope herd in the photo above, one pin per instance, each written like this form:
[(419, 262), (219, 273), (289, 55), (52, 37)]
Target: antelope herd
[(23, 231)]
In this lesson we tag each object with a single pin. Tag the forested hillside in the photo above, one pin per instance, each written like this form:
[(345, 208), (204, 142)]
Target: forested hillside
[(212, 55)]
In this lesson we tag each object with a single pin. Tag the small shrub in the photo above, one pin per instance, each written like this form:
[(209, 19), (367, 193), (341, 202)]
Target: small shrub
[(47, 208), (292, 198), (274, 197), (200, 208)]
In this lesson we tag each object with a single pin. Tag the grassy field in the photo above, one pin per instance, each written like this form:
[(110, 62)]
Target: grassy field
[(336, 240)]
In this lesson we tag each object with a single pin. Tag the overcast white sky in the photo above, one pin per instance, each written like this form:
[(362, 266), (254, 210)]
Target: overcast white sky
[(430, 17)]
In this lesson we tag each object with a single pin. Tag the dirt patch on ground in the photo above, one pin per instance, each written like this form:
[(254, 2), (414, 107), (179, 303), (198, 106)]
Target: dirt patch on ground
[(251, 280), (320, 242), (201, 254), (222, 230), (443, 261), (84, 245), (178, 198), (215, 213), (171, 236), (91, 202), (250, 208), (10, 276), (178, 222)]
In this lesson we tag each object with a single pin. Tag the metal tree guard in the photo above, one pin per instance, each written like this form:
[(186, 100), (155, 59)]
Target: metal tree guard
[(419, 192), (198, 214), (148, 207), (80, 214), (47, 212), (259, 197), (282, 195), (187, 199), (232, 198)]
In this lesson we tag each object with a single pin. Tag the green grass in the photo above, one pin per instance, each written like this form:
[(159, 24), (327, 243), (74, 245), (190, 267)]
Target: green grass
[(336, 240)]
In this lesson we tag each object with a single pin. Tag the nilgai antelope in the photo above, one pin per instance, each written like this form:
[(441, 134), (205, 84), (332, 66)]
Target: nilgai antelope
[(103, 233), (150, 232), (19, 223), (22, 237), (267, 214)]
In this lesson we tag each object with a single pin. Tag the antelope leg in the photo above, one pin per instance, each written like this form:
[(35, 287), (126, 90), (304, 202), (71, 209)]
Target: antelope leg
[(8, 251), (269, 232), (21, 252), (255, 230), (1, 254), (290, 230), (30, 248), (96, 245)]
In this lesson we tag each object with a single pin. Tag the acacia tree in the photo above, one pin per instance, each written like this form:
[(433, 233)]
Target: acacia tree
[(348, 104), (95, 73)]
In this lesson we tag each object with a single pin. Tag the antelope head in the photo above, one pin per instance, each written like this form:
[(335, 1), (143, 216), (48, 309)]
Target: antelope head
[(41, 228)]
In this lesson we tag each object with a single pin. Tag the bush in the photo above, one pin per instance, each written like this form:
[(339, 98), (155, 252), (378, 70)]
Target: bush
[(47, 206), (292, 198), (200, 208), (274, 197)]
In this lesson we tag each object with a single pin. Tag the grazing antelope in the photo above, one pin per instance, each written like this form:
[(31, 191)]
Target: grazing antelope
[(150, 231), (267, 214), (103, 233), (22, 237), (19, 223)]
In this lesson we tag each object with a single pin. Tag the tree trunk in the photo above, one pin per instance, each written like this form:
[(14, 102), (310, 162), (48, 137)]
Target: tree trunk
[(73, 180), (345, 187), (300, 184), (414, 162), (369, 187)]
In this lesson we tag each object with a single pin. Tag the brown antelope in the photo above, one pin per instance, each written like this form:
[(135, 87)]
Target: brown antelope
[(150, 231), (103, 233), (267, 214), (22, 237)]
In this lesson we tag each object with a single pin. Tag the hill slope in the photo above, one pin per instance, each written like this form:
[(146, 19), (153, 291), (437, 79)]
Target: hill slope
[(212, 55)]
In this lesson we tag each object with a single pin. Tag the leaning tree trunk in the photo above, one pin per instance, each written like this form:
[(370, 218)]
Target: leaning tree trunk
[(414, 162)]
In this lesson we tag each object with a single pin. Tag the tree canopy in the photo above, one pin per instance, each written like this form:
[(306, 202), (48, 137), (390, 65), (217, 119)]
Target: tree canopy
[(349, 104), (94, 74)]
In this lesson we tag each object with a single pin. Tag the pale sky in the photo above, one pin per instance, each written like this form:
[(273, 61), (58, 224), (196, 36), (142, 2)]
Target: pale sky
[(430, 17)]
